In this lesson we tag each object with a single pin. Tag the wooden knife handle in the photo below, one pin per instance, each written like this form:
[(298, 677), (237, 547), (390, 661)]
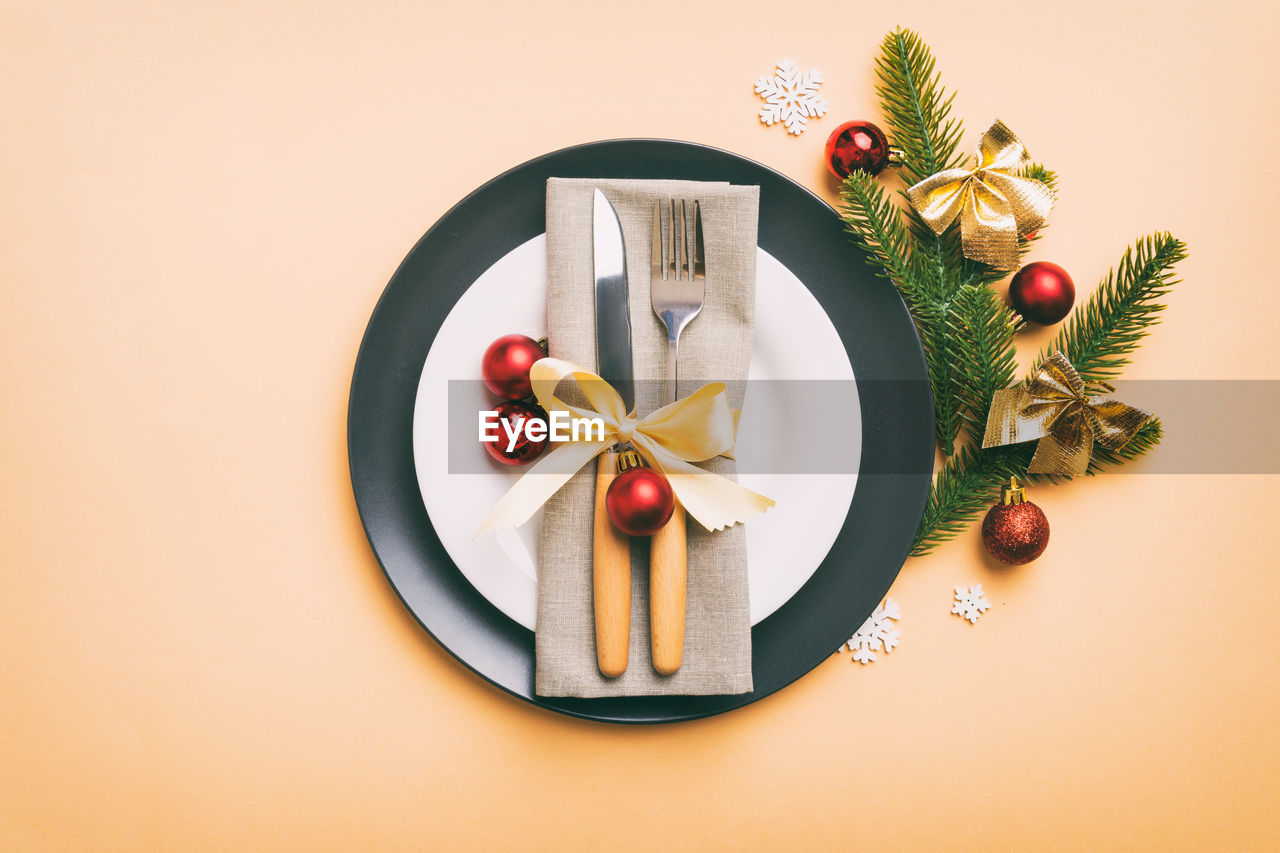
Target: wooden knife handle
[(667, 572), (611, 579)]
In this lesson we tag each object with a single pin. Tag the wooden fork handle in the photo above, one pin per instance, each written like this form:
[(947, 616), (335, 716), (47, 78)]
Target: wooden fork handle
[(611, 579), (667, 574)]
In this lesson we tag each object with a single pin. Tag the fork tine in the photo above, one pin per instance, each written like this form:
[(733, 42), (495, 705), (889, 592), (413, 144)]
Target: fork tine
[(697, 262), (655, 261), (672, 263), (686, 271)]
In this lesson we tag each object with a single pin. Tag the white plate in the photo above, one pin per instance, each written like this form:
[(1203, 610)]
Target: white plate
[(794, 339)]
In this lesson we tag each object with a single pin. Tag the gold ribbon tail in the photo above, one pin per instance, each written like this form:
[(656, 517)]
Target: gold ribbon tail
[(539, 483)]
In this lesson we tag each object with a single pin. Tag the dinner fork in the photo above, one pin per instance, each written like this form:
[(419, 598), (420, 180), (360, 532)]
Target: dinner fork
[(677, 286)]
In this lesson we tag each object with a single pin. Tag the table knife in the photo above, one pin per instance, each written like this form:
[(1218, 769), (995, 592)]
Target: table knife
[(610, 548)]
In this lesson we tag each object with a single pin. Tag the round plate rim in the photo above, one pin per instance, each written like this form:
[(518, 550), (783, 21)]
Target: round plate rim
[(907, 472)]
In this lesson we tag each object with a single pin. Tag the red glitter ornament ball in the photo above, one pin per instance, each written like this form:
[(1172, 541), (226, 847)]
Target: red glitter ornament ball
[(1015, 530), (513, 414), (639, 500), (857, 145), (506, 363), (1042, 292)]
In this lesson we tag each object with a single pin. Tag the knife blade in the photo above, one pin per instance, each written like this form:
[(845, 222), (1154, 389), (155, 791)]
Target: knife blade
[(613, 310), (610, 548)]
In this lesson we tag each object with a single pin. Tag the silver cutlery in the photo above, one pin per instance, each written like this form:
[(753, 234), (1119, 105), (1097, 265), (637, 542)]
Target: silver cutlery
[(677, 288), (611, 549)]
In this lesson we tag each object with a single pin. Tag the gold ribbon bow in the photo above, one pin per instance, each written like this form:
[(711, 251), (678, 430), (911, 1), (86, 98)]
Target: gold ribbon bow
[(1055, 408), (694, 429), (995, 204)]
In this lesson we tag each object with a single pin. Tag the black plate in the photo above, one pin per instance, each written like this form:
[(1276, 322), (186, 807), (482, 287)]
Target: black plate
[(797, 228)]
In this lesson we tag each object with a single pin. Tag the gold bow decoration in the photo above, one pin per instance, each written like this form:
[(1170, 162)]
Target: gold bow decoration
[(693, 429), (995, 203), (1054, 406)]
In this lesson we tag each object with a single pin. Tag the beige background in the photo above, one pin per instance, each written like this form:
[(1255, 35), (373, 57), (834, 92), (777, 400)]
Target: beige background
[(201, 204)]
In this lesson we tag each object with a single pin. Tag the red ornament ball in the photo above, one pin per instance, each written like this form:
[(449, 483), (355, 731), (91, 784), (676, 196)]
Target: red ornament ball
[(857, 145), (639, 501), (1015, 533), (506, 363), (1042, 292), (513, 414)]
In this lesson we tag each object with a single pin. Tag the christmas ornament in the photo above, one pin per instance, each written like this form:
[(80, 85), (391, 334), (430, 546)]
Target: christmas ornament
[(1015, 531), (1042, 292), (791, 97), (506, 363), (861, 146), (971, 602), (964, 325), (1055, 408), (639, 499), (876, 634), (994, 202), (511, 417), (692, 429)]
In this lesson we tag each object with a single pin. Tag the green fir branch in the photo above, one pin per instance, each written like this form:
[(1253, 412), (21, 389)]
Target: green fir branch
[(966, 330), (916, 106), (878, 229), (1100, 336), (1112, 324), (963, 489), (918, 112), (873, 220), (984, 334)]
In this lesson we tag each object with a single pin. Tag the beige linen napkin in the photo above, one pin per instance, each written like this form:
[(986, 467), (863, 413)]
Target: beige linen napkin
[(715, 347)]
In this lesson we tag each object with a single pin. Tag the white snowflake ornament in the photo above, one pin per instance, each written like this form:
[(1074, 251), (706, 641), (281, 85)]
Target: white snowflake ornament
[(971, 602), (876, 634), (791, 97)]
